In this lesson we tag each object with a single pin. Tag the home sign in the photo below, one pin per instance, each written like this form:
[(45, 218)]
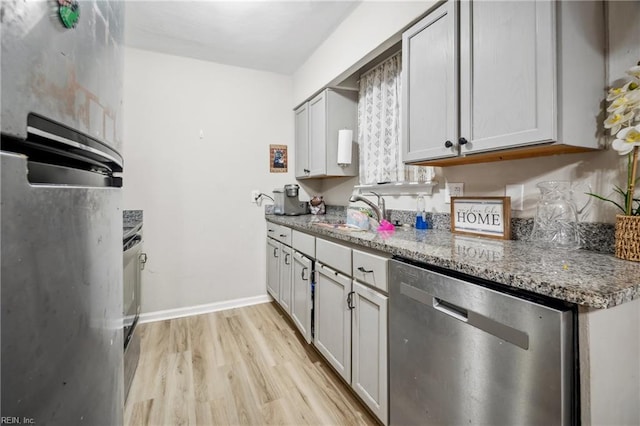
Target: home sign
[(484, 216)]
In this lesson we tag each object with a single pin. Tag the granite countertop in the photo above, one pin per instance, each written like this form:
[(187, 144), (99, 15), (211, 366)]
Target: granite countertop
[(579, 276), (131, 222)]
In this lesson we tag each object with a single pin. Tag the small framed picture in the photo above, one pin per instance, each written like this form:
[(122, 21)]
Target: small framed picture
[(482, 216), (278, 158)]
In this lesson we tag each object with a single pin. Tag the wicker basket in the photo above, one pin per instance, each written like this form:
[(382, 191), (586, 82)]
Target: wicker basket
[(628, 237)]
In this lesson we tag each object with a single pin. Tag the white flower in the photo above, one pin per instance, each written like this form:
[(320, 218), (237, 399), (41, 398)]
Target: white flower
[(626, 102), (616, 92), (615, 121), (634, 71), (626, 139)]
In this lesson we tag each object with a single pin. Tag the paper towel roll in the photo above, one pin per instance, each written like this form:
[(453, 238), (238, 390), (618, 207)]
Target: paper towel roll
[(345, 140)]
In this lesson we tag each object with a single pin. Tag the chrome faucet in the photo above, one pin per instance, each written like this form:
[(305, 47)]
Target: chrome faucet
[(378, 209)]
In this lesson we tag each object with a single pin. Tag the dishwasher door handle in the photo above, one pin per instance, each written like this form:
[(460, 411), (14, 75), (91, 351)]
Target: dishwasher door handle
[(474, 319), (450, 309)]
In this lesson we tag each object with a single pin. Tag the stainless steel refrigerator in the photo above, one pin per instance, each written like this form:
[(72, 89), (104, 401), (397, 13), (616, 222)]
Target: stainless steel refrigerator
[(61, 218)]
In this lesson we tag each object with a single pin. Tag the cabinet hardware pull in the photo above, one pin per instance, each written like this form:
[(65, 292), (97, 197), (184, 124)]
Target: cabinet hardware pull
[(304, 268), (336, 272), (307, 171), (143, 260), (448, 144), (271, 230), (350, 300), (286, 258), (365, 271), (283, 235), (275, 252), (462, 141)]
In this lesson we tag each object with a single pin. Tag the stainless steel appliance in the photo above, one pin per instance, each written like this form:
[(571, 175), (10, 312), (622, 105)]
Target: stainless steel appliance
[(132, 263), (286, 201), (61, 223), (462, 352)]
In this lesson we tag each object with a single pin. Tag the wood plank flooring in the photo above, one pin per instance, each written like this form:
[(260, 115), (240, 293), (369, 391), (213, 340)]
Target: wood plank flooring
[(244, 366)]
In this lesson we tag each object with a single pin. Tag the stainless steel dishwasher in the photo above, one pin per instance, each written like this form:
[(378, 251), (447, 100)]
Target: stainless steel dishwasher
[(461, 353)]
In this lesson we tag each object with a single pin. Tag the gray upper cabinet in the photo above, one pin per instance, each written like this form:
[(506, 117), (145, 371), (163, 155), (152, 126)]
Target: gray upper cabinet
[(317, 123), (430, 86), (523, 79), (302, 140), (507, 78)]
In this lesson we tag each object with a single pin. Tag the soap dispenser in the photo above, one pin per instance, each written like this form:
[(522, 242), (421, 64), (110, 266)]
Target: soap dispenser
[(421, 214)]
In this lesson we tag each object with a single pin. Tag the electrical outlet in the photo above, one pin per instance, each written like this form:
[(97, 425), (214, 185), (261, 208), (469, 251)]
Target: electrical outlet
[(453, 190), (254, 196), (516, 192)]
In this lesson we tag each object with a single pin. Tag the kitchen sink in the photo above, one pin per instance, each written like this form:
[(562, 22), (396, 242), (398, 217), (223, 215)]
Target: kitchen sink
[(338, 226)]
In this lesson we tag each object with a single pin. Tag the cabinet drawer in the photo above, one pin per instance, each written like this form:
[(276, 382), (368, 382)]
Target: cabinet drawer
[(284, 235), (279, 232), (334, 255), (304, 243), (370, 269), (272, 229)]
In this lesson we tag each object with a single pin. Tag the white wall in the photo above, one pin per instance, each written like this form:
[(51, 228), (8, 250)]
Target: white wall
[(600, 169), (204, 239), (372, 27)]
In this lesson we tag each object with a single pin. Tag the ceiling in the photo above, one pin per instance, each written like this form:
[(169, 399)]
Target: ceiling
[(267, 35)]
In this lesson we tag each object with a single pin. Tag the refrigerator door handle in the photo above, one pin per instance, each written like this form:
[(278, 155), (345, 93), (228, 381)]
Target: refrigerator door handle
[(74, 144)]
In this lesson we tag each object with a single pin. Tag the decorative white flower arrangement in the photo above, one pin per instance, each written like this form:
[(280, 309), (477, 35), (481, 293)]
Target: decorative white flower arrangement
[(624, 122)]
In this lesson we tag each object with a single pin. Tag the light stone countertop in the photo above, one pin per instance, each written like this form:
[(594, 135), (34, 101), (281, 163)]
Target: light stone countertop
[(579, 276)]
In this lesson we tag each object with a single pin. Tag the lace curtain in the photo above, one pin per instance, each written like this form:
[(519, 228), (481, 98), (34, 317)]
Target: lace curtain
[(379, 123), (379, 127)]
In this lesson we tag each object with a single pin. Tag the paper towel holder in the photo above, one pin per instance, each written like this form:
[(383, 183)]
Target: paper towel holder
[(345, 142)]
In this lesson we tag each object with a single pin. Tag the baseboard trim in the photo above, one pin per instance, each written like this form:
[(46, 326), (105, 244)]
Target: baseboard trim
[(202, 309)]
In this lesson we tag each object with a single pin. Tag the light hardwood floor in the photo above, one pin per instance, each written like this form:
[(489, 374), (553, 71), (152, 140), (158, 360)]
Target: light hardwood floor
[(244, 366)]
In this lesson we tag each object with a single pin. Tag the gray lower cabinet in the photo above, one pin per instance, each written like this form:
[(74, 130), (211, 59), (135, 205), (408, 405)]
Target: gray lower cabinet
[(301, 303), (369, 366), (273, 268), (349, 315), (286, 270), (332, 332)]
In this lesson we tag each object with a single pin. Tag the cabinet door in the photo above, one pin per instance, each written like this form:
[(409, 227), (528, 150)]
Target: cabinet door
[(429, 86), (302, 140), (318, 135), (369, 369), (507, 78), (273, 268), (332, 327), (301, 307), (286, 271)]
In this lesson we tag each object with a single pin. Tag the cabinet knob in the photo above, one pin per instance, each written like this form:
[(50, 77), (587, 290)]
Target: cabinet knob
[(448, 144), (462, 141)]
